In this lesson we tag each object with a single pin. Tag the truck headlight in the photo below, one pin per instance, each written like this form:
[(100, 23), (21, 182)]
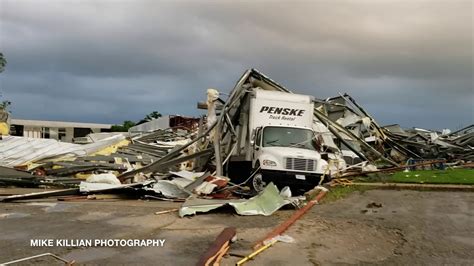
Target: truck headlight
[(269, 163)]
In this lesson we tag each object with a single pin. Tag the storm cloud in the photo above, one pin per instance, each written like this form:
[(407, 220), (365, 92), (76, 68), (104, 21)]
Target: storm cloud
[(407, 62)]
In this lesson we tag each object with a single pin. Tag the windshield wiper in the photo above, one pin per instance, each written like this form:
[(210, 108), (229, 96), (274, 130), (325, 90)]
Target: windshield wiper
[(271, 142), (301, 144)]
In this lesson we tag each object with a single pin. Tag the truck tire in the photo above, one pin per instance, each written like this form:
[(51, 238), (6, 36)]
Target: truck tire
[(257, 182)]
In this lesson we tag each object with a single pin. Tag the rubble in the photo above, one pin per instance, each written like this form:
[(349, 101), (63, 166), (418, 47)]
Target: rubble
[(265, 203), (225, 159), (207, 161)]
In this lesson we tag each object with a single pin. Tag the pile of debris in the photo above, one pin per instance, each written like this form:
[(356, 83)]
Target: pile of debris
[(231, 158), (455, 146)]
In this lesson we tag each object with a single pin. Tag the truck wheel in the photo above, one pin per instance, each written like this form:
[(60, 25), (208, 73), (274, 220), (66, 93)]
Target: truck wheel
[(257, 182)]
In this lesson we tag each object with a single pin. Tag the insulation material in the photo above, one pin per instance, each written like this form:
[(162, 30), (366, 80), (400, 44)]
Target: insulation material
[(109, 149), (103, 178), (212, 96), (95, 187), (348, 119)]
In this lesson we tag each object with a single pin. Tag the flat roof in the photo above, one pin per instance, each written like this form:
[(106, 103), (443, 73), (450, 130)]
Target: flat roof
[(58, 124)]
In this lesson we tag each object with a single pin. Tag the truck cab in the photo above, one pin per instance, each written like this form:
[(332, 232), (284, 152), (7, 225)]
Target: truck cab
[(284, 148), (287, 156)]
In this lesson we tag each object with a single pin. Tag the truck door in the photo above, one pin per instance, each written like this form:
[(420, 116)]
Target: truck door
[(257, 145)]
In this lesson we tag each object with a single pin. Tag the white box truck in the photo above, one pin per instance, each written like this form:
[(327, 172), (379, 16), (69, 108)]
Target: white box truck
[(283, 146)]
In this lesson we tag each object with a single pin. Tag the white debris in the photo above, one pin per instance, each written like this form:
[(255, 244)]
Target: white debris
[(280, 238), (107, 178)]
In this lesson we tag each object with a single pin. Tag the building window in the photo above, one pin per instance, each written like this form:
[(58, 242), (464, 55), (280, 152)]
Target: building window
[(45, 132), (16, 130), (81, 132), (61, 134)]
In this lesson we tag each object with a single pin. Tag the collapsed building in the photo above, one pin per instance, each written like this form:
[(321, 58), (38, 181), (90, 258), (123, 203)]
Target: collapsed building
[(262, 133)]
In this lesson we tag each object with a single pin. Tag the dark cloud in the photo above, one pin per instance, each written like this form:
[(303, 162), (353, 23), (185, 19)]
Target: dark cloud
[(408, 62)]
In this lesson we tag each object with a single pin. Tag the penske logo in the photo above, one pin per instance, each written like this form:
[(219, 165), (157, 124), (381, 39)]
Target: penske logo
[(282, 111)]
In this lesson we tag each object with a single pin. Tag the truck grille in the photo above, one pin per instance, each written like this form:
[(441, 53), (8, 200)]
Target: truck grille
[(300, 164)]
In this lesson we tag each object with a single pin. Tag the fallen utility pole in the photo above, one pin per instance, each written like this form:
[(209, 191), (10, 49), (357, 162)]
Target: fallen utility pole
[(218, 248), (298, 214)]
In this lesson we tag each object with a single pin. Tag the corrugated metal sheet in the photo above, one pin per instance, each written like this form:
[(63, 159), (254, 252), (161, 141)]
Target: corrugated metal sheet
[(159, 123), (20, 150)]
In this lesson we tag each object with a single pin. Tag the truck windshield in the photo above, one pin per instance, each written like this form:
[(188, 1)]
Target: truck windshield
[(288, 137)]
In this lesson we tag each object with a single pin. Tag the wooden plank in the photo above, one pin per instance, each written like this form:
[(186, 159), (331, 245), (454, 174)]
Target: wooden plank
[(296, 215), (222, 241)]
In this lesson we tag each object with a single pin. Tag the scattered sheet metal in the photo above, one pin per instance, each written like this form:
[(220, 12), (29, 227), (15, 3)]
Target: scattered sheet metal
[(173, 163), (38, 195), (169, 189), (14, 177), (21, 150), (266, 203), (209, 184), (86, 187), (187, 174)]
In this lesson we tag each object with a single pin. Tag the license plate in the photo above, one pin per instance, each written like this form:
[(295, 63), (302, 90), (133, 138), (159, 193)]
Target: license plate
[(301, 177)]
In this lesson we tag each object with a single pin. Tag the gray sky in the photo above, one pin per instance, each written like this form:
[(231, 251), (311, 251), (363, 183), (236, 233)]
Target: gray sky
[(407, 62)]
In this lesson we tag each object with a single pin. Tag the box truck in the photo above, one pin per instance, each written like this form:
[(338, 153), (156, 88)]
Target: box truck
[(283, 147)]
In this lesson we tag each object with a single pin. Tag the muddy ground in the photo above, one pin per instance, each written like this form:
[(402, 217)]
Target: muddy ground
[(410, 227)]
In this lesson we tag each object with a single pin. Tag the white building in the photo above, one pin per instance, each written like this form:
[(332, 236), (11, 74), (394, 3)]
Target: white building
[(63, 131)]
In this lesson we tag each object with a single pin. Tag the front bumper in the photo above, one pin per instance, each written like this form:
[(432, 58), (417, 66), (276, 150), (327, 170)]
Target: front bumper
[(288, 178)]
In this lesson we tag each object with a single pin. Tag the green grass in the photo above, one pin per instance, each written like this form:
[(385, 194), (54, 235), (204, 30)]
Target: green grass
[(339, 192), (450, 176)]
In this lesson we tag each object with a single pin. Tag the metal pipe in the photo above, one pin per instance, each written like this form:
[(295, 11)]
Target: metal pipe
[(255, 253), (39, 256)]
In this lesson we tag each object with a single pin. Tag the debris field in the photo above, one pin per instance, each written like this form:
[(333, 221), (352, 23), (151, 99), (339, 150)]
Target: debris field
[(260, 149)]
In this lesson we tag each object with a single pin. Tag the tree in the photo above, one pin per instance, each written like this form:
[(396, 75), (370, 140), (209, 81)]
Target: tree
[(124, 127), (4, 105), (127, 124), (3, 62), (149, 117)]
